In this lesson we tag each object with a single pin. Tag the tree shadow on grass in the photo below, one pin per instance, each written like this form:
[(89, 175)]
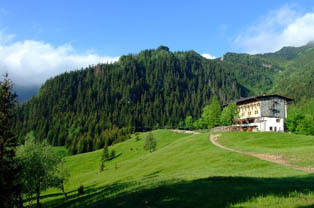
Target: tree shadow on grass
[(208, 192)]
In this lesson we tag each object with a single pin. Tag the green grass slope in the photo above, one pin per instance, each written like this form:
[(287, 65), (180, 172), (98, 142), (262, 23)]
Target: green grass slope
[(295, 149), (185, 171)]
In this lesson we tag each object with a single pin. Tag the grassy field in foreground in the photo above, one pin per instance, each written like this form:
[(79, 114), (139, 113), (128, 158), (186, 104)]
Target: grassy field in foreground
[(296, 149), (184, 171)]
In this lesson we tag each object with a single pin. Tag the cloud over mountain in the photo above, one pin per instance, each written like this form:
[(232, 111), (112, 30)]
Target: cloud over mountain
[(283, 27), (30, 63)]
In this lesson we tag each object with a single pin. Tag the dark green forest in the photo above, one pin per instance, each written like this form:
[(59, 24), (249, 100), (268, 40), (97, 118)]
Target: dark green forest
[(156, 88), (153, 89)]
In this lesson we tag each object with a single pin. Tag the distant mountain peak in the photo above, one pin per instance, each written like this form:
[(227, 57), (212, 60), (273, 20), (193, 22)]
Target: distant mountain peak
[(311, 43)]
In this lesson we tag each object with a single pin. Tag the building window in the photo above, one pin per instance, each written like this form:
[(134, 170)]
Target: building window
[(278, 120), (275, 128), (249, 113), (270, 128)]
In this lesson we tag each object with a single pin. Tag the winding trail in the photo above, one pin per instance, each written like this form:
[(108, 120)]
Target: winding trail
[(267, 157)]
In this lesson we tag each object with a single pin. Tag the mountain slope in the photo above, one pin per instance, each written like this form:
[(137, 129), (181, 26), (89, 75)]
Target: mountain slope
[(297, 80), (254, 72), (289, 71), (154, 89)]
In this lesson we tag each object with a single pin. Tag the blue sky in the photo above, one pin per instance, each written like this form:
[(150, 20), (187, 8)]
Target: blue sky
[(64, 35)]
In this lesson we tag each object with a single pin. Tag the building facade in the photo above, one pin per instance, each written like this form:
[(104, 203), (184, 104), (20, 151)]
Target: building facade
[(262, 113)]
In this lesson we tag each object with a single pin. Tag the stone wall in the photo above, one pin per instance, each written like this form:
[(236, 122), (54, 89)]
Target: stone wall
[(226, 128)]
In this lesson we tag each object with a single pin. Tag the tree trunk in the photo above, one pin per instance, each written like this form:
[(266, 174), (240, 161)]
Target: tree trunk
[(38, 196), (65, 194), (20, 201)]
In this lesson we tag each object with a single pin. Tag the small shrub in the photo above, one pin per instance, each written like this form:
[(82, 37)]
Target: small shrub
[(150, 142), (80, 190), (137, 138)]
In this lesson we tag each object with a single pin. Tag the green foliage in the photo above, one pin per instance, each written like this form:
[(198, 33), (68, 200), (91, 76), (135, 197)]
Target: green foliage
[(189, 122), (301, 118), (306, 126), (296, 80), (9, 170), (104, 157), (153, 89), (150, 142), (105, 154), (229, 114), (295, 116), (211, 114), (62, 176), (40, 164), (252, 71), (276, 72)]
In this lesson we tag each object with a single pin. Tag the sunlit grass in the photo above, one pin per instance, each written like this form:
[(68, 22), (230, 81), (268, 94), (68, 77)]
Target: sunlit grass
[(185, 171)]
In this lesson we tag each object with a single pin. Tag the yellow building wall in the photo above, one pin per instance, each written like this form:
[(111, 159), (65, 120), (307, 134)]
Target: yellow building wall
[(249, 110)]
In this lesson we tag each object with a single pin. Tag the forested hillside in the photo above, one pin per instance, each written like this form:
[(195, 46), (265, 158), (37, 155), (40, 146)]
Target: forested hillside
[(297, 80), (154, 89), (289, 71), (254, 72)]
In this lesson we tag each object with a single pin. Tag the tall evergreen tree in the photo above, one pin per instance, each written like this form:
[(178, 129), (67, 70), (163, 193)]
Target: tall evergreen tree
[(104, 157), (8, 167)]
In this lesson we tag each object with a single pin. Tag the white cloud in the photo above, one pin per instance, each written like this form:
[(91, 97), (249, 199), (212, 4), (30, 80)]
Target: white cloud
[(279, 28), (208, 56), (30, 63)]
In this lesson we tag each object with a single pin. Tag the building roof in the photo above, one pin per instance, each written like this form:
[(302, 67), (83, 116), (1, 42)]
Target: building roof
[(256, 98)]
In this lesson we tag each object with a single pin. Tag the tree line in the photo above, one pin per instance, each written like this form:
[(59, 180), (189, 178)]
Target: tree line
[(212, 116), (300, 118)]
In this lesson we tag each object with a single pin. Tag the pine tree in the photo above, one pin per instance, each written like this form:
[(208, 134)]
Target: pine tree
[(104, 157), (8, 169)]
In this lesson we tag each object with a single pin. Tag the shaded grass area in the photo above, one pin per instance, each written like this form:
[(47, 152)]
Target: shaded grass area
[(296, 149), (208, 192)]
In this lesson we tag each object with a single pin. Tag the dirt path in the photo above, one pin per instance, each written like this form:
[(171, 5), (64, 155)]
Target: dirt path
[(185, 131), (268, 157)]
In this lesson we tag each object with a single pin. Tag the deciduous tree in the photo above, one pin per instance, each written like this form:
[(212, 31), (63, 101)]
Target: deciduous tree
[(229, 114), (39, 167), (150, 142)]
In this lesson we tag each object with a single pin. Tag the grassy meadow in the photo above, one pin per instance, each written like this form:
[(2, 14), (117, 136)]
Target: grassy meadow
[(188, 171), (296, 149)]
